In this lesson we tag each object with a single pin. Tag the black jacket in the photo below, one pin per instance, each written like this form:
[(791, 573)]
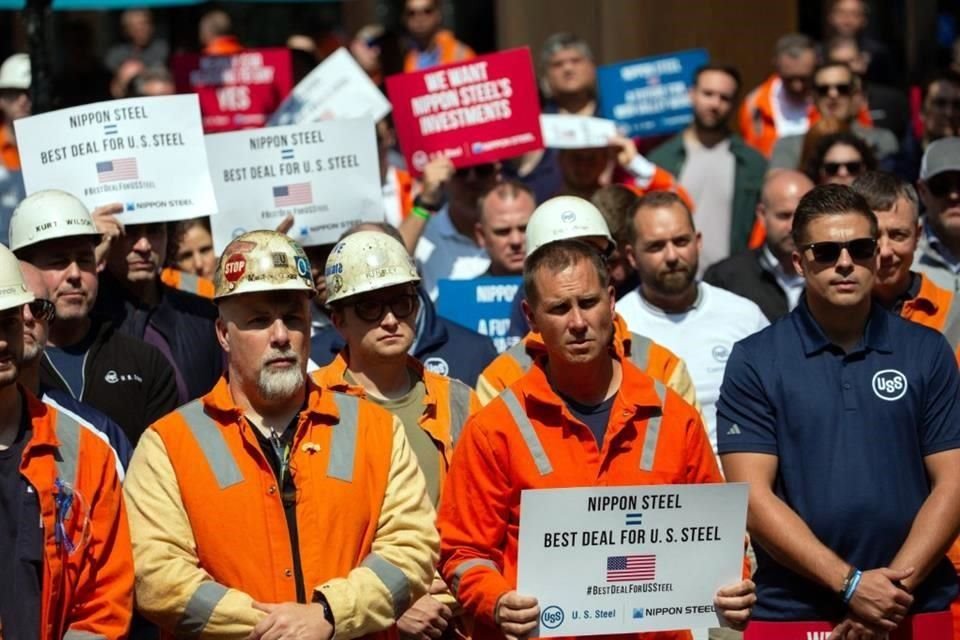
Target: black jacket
[(123, 377), (186, 322), (743, 275)]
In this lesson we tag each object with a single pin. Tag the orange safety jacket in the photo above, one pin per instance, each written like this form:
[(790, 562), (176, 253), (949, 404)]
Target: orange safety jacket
[(188, 282), (528, 439), (87, 590), (447, 405), (652, 358), (210, 533), (451, 50), (757, 124), (223, 46)]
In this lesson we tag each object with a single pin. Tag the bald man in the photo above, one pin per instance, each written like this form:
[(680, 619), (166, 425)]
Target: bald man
[(766, 275)]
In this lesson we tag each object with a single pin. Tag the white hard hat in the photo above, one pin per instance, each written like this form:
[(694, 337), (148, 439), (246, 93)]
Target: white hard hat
[(15, 72), (262, 261), (565, 218), (47, 215), (13, 290), (367, 261)]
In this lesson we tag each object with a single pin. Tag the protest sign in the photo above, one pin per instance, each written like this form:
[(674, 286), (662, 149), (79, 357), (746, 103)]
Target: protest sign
[(236, 91), (650, 96), (482, 305), (564, 131), (481, 110), (326, 174), (607, 560), (336, 88), (145, 153)]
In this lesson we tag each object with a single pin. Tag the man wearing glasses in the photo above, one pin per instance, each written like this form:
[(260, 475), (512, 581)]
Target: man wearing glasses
[(432, 46), (938, 255), (837, 94), (845, 421)]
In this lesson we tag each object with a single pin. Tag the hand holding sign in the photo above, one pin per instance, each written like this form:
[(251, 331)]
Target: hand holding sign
[(516, 615)]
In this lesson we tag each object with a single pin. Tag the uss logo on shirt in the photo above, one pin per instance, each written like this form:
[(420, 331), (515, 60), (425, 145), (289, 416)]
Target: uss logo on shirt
[(889, 384)]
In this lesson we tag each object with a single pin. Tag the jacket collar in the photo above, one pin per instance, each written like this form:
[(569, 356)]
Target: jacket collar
[(219, 400)]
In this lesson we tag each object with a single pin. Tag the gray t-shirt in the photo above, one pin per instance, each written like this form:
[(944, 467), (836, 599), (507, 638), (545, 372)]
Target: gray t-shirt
[(708, 176)]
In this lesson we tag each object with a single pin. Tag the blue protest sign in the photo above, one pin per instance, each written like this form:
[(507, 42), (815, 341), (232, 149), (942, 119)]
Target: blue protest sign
[(482, 305), (650, 96)]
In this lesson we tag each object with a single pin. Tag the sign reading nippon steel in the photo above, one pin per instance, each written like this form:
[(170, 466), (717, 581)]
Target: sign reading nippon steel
[(610, 560), (483, 305), (650, 96)]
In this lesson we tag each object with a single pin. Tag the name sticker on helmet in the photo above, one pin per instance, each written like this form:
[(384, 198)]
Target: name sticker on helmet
[(235, 267)]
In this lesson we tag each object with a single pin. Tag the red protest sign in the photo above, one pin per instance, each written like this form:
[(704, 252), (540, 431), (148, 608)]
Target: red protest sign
[(237, 91), (477, 111)]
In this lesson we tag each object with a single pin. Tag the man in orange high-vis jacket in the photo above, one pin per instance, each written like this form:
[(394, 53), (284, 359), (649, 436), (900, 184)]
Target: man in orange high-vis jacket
[(191, 283), (336, 533), (432, 46), (374, 303), (781, 105), (567, 218), (580, 417), (70, 577)]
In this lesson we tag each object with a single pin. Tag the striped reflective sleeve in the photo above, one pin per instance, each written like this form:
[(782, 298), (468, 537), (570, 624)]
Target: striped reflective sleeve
[(519, 353), (528, 432), (393, 578), (652, 436), (343, 449), (640, 351), (465, 566), (951, 328), (459, 397), (189, 283), (199, 608), (68, 433), (74, 634), (209, 437)]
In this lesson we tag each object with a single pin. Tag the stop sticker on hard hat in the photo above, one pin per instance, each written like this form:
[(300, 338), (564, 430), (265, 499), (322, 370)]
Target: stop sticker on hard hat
[(235, 267)]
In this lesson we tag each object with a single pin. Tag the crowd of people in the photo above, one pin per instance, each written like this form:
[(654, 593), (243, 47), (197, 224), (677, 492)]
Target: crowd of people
[(280, 441)]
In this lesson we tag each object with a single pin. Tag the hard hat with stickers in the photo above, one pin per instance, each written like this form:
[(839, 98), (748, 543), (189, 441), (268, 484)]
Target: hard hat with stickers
[(48, 215), (262, 261), (367, 261)]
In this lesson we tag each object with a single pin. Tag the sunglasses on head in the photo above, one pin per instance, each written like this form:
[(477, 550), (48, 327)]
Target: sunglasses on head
[(832, 169), (842, 89), (401, 306), (42, 309), (943, 184), (479, 171), (828, 252)]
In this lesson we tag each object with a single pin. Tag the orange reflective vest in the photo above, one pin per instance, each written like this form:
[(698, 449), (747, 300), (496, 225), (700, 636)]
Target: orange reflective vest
[(528, 439), (210, 533), (450, 50), (87, 589), (447, 405), (187, 282), (757, 124), (650, 357), (661, 180)]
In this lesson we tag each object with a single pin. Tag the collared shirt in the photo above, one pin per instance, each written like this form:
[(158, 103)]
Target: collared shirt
[(916, 280), (792, 284), (850, 432), (702, 336), (443, 252)]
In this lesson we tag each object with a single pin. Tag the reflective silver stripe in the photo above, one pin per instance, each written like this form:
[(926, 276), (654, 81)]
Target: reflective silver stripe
[(343, 449), (653, 431), (528, 432), (68, 433), (640, 350), (74, 634), (459, 408), (519, 353), (189, 283), (200, 607), (465, 566), (396, 583), (951, 329), (209, 436)]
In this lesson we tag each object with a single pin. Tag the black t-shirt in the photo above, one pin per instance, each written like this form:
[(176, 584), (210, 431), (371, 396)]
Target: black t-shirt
[(596, 417), (21, 542)]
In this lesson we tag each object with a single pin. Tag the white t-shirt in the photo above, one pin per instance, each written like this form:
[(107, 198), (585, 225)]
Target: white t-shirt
[(702, 336), (791, 119), (443, 252)]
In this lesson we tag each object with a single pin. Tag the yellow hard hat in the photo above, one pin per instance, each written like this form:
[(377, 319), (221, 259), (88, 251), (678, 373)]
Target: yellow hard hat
[(367, 261), (13, 290), (262, 261)]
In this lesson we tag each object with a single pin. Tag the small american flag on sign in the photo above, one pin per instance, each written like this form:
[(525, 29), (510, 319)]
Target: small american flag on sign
[(119, 169), (292, 194), (637, 568)]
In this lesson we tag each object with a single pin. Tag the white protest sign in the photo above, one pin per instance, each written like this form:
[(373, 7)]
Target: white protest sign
[(629, 559), (337, 88), (145, 153), (563, 131), (326, 174)]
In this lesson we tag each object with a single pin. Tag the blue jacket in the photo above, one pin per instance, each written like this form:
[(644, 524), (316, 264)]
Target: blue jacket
[(90, 417), (442, 346)]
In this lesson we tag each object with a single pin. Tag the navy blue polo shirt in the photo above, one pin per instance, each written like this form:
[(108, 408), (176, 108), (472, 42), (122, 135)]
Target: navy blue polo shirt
[(850, 432)]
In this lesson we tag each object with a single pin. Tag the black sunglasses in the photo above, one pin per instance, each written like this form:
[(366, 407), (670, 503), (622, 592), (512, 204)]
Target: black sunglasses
[(828, 252), (843, 89), (853, 168), (943, 184), (480, 171), (42, 309), (402, 306)]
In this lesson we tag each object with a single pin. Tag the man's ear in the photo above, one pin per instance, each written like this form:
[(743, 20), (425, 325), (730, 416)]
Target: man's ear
[(527, 309), (221, 329)]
